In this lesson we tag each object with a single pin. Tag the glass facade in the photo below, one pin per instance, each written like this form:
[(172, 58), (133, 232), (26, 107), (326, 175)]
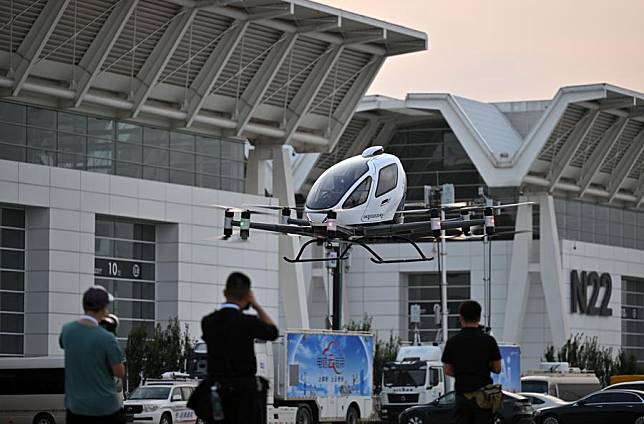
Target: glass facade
[(125, 262), (589, 222), (12, 281), (434, 156), (56, 138), (424, 290), (633, 317)]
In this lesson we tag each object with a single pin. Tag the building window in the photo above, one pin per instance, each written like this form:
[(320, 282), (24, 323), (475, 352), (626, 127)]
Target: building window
[(592, 223), (67, 140), (124, 264), (12, 281), (633, 317), (424, 290)]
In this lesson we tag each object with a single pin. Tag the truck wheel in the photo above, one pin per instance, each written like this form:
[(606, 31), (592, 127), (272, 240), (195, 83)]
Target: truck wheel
[(353, 415), (44, 418), (304, 415), (639, 420)]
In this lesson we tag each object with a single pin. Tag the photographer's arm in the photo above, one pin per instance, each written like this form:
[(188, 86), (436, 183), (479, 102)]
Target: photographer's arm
[(495, 366), (448, 369), (118, 370), (261, 313)]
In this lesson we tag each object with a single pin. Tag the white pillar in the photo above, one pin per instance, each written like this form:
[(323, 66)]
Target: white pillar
[(518, 283), (291, 276), (551, 271), (255, 167)]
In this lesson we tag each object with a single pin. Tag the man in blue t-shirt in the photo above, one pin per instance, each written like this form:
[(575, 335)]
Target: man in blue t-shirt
[(93, 358)]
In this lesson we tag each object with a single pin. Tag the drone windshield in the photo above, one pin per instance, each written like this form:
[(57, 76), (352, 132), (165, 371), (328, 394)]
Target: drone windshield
[(335, 182)]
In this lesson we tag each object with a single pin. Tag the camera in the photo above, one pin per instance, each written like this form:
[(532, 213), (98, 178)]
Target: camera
[(110, 323)]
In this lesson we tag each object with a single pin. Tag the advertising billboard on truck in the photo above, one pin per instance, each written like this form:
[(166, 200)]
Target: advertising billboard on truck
[(329, 365), (510, 376)]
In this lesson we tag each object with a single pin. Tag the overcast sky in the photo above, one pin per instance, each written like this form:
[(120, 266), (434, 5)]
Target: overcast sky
[(497, 50)]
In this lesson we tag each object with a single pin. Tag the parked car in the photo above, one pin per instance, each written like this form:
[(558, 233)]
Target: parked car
[(540, 400), (611, 406), (515, 409), (161, 401), (631, 385)]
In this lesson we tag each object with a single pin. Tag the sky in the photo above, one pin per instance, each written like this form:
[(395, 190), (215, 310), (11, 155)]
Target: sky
[(498, 50)]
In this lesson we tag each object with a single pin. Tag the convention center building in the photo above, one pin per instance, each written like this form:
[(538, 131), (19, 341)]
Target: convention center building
[(122, 122), (577, 264)]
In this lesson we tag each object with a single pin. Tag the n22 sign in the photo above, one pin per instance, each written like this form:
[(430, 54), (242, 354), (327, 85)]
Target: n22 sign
[(579, 296)]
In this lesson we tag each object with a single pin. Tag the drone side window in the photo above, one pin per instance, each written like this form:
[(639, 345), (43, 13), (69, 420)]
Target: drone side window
[(387, 179), (359, 195)]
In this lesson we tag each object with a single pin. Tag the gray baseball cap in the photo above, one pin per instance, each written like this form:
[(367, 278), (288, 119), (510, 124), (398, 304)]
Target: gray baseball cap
[(96, 297)]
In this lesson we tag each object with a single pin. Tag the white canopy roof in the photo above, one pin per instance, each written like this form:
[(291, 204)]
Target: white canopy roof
[(289, 71)]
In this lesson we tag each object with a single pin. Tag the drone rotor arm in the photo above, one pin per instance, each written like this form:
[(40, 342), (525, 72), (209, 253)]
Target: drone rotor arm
[(279, 228)]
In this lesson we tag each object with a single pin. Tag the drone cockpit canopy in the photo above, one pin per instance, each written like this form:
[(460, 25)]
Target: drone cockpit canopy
[(362, 189)]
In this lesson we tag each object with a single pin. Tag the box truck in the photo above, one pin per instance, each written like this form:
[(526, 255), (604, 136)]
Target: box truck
[(315, 375)]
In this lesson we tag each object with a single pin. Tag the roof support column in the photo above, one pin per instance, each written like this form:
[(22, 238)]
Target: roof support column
[(163, 51), (31, 47), (254, 92), (255, 168), (604, 146), (291, 276), (625, 166), (518, 289), (345, 109), (212, 69), (563, 158), (639, 193), (304, 98), (93, 59), (551, 271)]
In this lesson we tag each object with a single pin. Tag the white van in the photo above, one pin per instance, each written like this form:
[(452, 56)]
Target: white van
[(566, 386), (32, 390)]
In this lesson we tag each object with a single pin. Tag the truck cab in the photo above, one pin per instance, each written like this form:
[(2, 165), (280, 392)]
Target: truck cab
[(416, 377)]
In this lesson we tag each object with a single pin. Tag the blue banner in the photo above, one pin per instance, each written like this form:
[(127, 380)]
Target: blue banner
[(329, 365), (510, 377)]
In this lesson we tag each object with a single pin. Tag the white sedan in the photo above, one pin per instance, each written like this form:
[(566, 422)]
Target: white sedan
[(541, 400)]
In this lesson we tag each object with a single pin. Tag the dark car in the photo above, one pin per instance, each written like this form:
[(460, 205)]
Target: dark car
[(630, 385), (611, 406), (514, 410)]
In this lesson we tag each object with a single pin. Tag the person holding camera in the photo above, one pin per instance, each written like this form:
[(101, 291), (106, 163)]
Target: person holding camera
[(93, 358), (230, 336), (470, 357)]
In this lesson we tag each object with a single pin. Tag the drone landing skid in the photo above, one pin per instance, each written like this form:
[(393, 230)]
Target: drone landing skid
[(298, 258), (376, 258)]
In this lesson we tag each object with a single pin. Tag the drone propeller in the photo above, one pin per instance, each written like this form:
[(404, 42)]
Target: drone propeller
[(502, 206), (492, 236), (276, 207), (236, 210)]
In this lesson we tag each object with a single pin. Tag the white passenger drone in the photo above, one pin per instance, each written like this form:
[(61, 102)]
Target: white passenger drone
[(361, 200)]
